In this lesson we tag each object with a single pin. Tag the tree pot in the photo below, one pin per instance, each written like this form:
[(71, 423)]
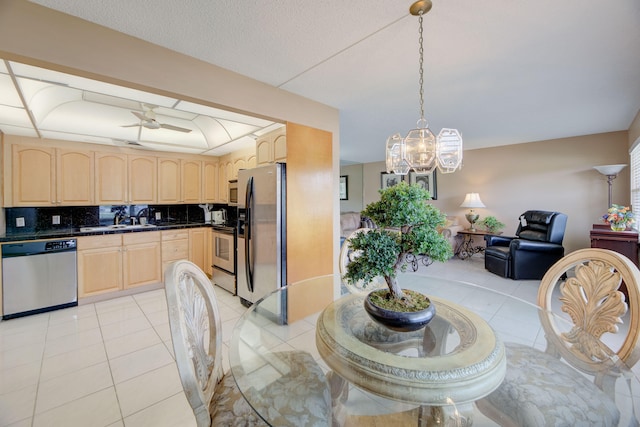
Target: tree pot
[(401, 321)]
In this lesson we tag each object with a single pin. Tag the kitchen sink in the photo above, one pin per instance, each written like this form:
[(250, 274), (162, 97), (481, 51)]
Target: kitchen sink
[(115, 227)]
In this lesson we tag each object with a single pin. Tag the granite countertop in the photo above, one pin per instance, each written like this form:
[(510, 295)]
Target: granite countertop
[(75, 232)]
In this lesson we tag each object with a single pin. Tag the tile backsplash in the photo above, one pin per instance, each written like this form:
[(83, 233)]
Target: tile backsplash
[(41, 219)]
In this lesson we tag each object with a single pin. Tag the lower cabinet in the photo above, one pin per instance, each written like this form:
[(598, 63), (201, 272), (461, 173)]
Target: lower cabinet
[(200, 248), (115, 262), (175, 246)]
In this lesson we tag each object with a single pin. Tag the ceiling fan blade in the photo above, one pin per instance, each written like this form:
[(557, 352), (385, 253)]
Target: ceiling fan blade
[(176, 128), (130, 126), (139, 115)]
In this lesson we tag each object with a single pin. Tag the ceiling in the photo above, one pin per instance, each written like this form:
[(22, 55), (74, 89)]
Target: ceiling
[(42, 103), (502, 72)]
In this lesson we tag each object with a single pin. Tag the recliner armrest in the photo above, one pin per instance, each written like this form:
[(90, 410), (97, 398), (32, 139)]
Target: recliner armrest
[(533, 245), (495, 240)]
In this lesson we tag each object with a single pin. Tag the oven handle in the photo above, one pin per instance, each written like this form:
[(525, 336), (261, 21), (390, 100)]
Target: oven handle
[(248, 259)]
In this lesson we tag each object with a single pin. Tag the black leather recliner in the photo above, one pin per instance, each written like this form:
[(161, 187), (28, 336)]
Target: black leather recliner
[(536, 247)]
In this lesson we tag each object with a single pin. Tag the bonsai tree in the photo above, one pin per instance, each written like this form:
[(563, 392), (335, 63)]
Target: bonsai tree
[(407, 226), (491, 224)]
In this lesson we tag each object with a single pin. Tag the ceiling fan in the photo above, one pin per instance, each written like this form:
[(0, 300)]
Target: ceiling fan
[(148, 120)]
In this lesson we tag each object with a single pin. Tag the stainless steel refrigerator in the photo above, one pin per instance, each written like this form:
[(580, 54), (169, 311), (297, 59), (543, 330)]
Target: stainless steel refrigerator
[(262, 239)]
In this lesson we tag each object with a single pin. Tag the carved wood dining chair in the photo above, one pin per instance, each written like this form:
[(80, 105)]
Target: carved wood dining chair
[(194, 320), (573, 381)]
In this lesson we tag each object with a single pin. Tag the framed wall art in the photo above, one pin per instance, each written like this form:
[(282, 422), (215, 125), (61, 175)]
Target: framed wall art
[(344, 187), (389, 179), (428, 182)]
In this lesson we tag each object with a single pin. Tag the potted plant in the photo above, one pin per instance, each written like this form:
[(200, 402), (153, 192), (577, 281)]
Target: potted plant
[(491, 224), (406, 228)]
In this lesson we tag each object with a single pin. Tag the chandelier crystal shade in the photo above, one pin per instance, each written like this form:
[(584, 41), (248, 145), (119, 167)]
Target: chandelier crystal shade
[(422, 151)]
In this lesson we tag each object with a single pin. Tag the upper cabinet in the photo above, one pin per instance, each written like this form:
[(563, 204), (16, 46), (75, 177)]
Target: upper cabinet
[(179, 180), (42, 176), (125, 179), (111, 179), (39, 174), (143, 188), (271, 147), (210, 182)]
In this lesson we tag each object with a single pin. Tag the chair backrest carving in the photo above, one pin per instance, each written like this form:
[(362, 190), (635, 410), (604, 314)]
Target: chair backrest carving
[(194, 320), (589, 281)]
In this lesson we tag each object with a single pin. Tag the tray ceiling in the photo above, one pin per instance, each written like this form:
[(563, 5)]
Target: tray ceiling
[(42, 103)]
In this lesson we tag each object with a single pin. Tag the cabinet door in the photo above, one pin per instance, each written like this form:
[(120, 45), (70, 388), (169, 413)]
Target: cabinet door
[(33, 176), (111, 179), (197, 248), (142, 180), (237, 165), (99, 271), (142, 264), (223, 183), (263, 151), (210, 182), (74, 177), (280, 148), (168, 180), (251, 162), (191, 181)]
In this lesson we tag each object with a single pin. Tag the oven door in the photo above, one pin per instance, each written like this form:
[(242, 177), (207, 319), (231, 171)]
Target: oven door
[(224, 252)]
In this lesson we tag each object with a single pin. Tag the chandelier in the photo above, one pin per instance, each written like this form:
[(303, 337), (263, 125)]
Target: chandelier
[(421, 151)]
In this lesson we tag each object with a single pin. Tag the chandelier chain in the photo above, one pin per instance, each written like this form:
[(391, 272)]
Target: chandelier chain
[(421, 51)]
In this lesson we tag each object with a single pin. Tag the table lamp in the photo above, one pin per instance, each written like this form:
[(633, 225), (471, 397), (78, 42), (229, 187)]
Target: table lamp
[(472, 200), (611, 172)]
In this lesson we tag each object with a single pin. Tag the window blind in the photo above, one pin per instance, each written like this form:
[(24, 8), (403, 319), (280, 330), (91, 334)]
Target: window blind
[(635, 183)]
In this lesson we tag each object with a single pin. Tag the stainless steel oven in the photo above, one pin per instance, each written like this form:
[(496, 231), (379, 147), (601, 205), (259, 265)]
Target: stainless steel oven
[(224, 258)]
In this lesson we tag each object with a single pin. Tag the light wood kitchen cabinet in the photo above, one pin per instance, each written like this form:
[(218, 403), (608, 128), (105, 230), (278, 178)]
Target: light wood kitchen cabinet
[(210, 182), (271, 147), (175, 246), (200, 248), (179, 181), (42, 176), (223, 183), (191, 182), (99, 265), (141, 258), (238, 164), (111, 179), (142, 179), (115, 262), (251, 162), (168, 180)]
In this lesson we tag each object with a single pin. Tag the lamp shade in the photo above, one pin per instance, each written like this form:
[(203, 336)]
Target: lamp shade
[(472, 200), (609, 169)]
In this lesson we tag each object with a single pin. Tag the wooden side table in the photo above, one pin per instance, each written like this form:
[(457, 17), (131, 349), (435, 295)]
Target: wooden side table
[(623, 242), (467, 246)]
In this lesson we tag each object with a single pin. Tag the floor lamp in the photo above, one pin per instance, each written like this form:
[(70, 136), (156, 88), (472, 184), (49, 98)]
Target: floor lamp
[(611, 172)]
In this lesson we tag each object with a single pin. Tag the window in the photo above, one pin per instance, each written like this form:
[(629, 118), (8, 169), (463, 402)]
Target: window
[(635, 181)]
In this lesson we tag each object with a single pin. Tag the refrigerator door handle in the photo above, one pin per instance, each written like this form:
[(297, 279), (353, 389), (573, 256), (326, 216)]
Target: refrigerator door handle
[(248, 260)]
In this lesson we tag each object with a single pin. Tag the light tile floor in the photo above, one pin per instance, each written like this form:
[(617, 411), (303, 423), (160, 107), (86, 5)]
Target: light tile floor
[(111, 363)]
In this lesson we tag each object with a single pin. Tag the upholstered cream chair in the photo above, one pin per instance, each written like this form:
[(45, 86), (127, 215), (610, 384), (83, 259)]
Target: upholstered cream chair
[(196, 333), (573, 381)]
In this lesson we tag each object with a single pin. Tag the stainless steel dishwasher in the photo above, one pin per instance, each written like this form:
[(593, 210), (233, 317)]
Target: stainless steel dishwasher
[(38, 277)]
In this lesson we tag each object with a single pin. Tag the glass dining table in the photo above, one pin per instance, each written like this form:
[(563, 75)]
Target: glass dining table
[(376, 376)]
